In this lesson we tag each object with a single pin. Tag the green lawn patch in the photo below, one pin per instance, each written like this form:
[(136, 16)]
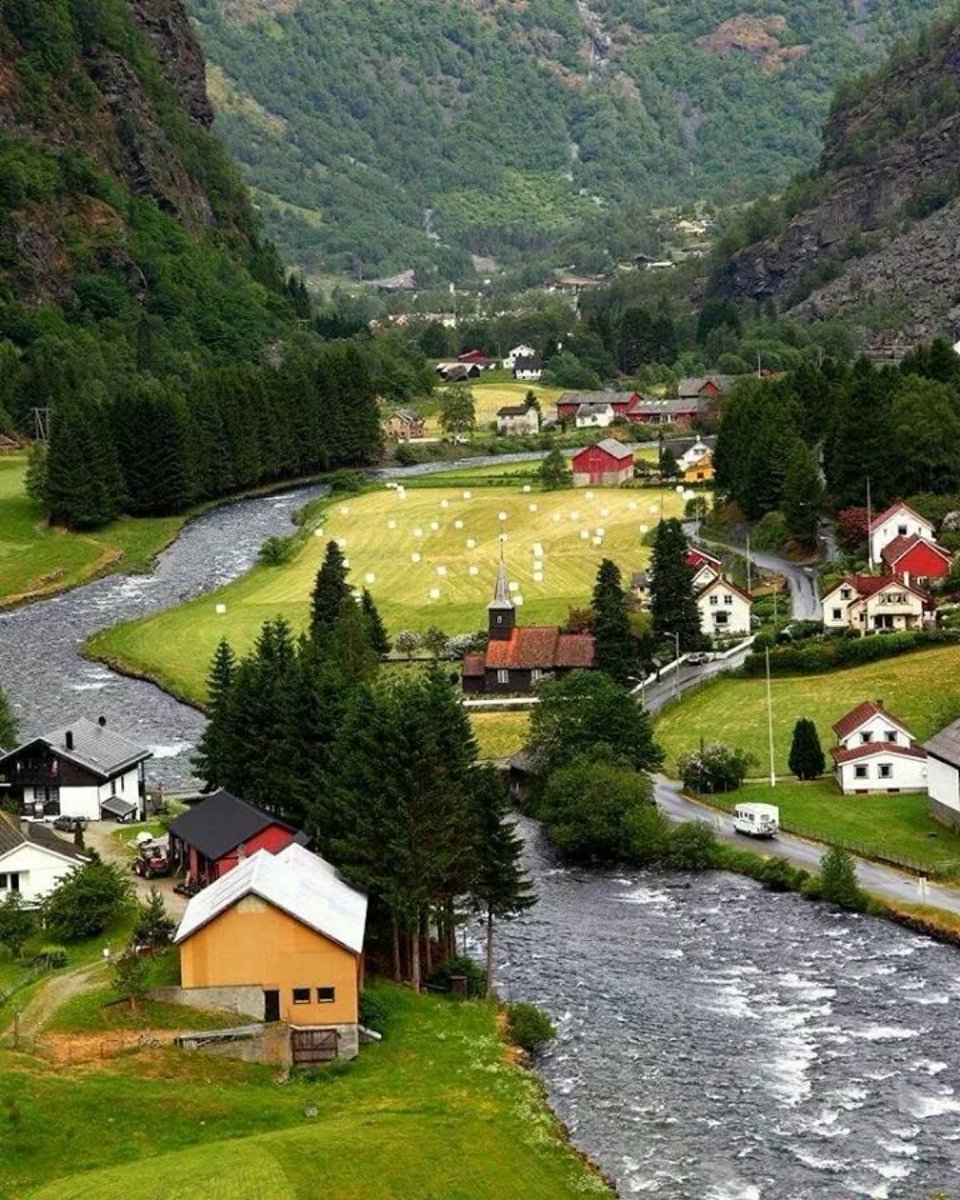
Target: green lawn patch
[(175, 647), (897, 828), (500, 734), (433, 1111)]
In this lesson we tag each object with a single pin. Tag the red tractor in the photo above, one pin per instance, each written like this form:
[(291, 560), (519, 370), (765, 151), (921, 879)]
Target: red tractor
[(152, 861)]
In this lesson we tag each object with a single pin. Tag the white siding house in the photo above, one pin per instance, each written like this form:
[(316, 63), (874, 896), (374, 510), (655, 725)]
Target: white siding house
[(943, 774), (899, 520), (521, 351), (875, 752), (33, 862), (593, 416), (724, 608), (873, 602)]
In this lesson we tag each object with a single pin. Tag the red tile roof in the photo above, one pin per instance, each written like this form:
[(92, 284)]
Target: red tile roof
[(862, 713), (867, 585), (888, 513), (473, 666), (900, 546), (539, 647), (870, 748)]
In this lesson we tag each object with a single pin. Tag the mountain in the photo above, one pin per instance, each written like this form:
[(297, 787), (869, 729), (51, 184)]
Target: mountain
[(872, 234), (381, 135)]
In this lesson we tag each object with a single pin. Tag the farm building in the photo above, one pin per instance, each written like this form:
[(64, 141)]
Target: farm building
[(700, 471), (518, 419), (943, 774), (876, 753), (85, 770), (215, 835), (607, 464), (916, 558), (33, 860), (403, 425), (898, 521), (281, 939), (516, 659), (569, 402), (705, 387)]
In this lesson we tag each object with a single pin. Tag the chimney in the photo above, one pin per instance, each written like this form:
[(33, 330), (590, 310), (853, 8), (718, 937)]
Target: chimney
[(906, 578), (68, 739), (879, 704), (102, 721)]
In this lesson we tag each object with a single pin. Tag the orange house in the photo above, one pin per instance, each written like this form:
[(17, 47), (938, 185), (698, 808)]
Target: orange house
[(281, 938), (700, 471)]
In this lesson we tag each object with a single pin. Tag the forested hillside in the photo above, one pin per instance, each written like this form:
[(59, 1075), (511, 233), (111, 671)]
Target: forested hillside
[(385, 134), (140, 308)]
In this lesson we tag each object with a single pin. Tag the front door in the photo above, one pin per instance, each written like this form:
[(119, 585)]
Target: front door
[(271, 1006)]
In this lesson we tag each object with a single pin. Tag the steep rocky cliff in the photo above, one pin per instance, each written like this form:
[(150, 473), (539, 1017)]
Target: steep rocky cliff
[(874, 235)]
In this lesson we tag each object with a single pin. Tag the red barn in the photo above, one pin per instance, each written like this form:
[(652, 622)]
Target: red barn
[(620, 402), (607, 464), (697, 558), (222, 830), (916, 558)]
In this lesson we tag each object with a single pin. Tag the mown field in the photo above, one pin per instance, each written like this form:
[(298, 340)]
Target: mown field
[(488, 397), (433, 1111), (35, 559), (380, 533), (921, 689)]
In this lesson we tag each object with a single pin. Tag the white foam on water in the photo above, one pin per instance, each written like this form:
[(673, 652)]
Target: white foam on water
[(929, 1066), (886, 1033), (890, 1170), (645, 895), (170, 749), (734, 1189), (88, 687), (925, 1108), (896, 1146), (850, 1098), (818, 1162)]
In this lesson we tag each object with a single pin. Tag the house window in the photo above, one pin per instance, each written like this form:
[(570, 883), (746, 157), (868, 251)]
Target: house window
[(886, 770), (301, 995), (837, 614), (890, 735), (326, 995), (845, 593), (714, 600), (902, 530), (536, 674), (859, 772), (503, 676), (866, 738), (113, 787), (721, 618), (727, 598), (10, 882)]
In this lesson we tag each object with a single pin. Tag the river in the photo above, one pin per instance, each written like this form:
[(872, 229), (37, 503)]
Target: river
[(718, 1042), (715, 1042)]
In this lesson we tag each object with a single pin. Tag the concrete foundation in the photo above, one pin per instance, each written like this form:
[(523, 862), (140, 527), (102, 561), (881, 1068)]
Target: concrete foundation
[(943, 813), (245, 1001)]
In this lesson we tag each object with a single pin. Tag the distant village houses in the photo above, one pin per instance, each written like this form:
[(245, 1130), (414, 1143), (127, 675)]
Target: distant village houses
[(595, 416), (403, 425), (871, 603), (515, 419), (518, 352), (528, 368)]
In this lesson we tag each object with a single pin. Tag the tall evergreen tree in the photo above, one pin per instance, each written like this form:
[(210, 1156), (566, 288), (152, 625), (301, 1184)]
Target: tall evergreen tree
[(802, 495), (329, 592), (806, 759), (672, 604), (84, 488), (376, 630), (214, 750), (611, 623)]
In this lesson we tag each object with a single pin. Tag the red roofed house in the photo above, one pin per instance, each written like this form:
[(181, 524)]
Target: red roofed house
[(875, 602), (568, 403), (607, 464), (876, 753), (899, 521), (516, 659), (916, 558)]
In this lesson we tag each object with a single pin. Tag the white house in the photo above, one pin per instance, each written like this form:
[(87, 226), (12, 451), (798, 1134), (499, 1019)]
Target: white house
[(943, 774), (899, 520), (528, 368), (33, 862), (521, 351), (696, 453), (724, 608), (705, 573), (518, 418), (595, 416), (875, 752), (84, 770), (874, 602)]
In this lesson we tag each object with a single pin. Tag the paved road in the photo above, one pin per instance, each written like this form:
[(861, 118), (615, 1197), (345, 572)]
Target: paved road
[(656, 695), (881, 881), (805, 602)]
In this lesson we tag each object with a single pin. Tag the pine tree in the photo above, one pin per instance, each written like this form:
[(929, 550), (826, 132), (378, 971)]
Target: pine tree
[(672, 604), (802, 495), (376, 630), (329, 592), (611, 623), (348, 647), (154, 926), (84, 489), (9, 732), (555, 471), (806, 759), (35, 483), (214, 749)]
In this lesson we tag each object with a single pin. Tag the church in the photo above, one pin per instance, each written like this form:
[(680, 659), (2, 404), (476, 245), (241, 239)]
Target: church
[(517, 658)]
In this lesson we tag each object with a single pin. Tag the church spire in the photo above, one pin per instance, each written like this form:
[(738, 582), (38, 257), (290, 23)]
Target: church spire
[(501, 611)]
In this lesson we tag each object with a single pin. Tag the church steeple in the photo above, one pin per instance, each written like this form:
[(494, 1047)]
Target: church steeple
[(501, 613)]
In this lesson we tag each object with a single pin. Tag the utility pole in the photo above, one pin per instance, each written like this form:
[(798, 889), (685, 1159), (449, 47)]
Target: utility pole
[(773, 769), (748, 563), (869, 523)]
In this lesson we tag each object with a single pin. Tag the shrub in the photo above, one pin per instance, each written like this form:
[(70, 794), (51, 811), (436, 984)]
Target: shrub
[(49, 958), (528, 1026), (374, 1011), (276, 551), (779, 875), (346, 481), (17, 923), (691, 846), (589, 807), (85, 903), (716, 768), (475, 975), (838, 881)]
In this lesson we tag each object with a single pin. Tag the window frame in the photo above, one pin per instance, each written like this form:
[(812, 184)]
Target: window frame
[(304, 994), (503, 675), (860, 771), (885, 771), (331, 999)]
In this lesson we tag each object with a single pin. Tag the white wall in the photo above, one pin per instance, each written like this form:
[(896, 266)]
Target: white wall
[(943, 783), (601, 419), (878, 726), (40, 870), (899, 525), (85, 801), (907, 775), (737, 612)]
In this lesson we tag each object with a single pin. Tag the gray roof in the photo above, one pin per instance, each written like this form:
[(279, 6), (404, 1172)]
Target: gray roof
[(945, 745), (592, 406), (11, 838), (639, 579), (528, 363), (593, 397), (617, 449), (692, 385), (672, 405), (101, 750), (220, 823), (515, 410), (501, 592)]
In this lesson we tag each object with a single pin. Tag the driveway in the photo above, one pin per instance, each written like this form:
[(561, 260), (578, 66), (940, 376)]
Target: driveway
[(882, 881), (99, 836)]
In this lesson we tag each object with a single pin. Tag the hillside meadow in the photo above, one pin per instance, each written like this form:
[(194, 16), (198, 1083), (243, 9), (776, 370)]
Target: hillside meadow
[(428, 557)]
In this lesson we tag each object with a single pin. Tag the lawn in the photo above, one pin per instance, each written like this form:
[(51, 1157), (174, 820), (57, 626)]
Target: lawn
[(379, 537), (896, 827), (921, 689), (500, 734), (35, 559), (487, 398), (433, 1111)]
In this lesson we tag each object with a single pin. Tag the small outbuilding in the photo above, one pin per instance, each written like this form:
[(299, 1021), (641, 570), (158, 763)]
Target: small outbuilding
[(607, 464), (943, 775)]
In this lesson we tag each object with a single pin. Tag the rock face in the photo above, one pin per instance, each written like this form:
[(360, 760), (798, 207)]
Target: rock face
[(879, 240), (179, 52)]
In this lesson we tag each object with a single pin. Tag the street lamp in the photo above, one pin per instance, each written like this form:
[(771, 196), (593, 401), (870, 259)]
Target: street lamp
[(676, 669)]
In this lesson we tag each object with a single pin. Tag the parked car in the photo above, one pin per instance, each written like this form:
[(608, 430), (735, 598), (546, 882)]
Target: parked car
[(70, 824), (698, 659)]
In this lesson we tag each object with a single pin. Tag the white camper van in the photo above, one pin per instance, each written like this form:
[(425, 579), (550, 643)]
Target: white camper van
[(757, 820)]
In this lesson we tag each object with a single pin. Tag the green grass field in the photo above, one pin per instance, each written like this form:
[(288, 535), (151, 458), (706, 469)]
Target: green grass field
[(378, 532), (897, 827), (433, 1111), (35, 559), (921, 689)]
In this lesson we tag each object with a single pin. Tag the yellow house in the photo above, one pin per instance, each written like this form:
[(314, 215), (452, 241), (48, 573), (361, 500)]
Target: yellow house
[(700, 471), (280, 937)]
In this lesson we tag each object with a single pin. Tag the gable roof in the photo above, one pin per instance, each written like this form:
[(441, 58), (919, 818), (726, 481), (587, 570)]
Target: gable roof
[(527, 362), (35, 834), (695, 557), (539, 647), (610, 446), (515, 410), (98, 749), (871, 749), (945, 745), (693, 385), (722, 581), (672, 406), (608, 397), (408, 417), (220, 823), (300, 884), (851, 721), (593, 407), (892, 510), (900, 546), (868, 585)]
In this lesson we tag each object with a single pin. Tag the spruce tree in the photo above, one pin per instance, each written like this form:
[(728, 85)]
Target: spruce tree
[(329, 592), (806, 759), (214, 749), (672, 604), (611, 623), (35, 482), (9, 732), (555, 471), (376, 630), (802, 495), (84, 489)]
